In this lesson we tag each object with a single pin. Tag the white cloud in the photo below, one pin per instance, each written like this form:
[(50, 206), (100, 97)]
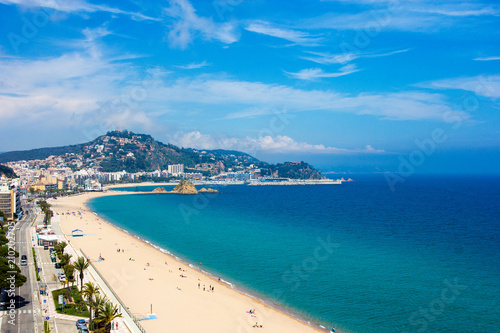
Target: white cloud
[(242, 99), (74, 7), (328, 58), (420, 16), (187, 23), (482, 85), (297, 37), (312, 74), (280, 144), (487, 58), (74, 89), (194, 65)]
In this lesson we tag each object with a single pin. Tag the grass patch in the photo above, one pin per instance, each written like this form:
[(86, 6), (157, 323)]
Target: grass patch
[(36, 265), (72, 309)]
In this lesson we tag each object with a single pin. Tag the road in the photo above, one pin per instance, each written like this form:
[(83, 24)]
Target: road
[(28, 315)]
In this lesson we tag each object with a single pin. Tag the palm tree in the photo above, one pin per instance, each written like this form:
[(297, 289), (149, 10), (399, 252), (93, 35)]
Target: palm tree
[(62, 245), (81, 264), (96, 303), (90, 291), (107, 313), (65, 259)]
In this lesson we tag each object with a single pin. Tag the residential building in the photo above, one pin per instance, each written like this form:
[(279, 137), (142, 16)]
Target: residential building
[(176, 169), (10, 201)]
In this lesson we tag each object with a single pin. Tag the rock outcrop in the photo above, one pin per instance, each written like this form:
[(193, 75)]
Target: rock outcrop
[(207, 190), (160, 190), (185, 187)]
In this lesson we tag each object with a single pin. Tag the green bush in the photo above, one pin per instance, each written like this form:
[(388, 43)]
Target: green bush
[(78, 308), (36, 265)]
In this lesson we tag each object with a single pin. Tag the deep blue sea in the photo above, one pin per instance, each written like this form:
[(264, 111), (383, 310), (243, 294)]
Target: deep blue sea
[(358, 256)]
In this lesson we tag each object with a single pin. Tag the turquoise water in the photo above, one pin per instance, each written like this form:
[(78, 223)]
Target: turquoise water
[(424, 258)]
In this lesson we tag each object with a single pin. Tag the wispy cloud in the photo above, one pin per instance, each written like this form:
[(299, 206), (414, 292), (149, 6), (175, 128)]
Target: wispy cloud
[(459, 10), (487, 58), (481, 85), (329, 59), (242, 99), (75, 7), (420, 16), (186, 24), (279, 144), (194, 65), (297, 37), (312, 74)]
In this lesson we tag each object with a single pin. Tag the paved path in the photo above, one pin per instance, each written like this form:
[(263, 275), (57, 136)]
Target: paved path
[(125, 324)]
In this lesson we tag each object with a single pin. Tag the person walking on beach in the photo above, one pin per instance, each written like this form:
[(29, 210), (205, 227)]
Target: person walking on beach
[(198, 286), (203, 287)]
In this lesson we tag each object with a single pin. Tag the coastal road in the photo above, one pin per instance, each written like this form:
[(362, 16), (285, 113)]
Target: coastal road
[(27, 316)]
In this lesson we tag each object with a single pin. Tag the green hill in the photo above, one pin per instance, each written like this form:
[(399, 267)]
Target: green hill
[(125, 150), (7, 172)]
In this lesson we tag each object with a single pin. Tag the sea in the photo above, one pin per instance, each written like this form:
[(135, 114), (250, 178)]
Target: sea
[(421, 256)]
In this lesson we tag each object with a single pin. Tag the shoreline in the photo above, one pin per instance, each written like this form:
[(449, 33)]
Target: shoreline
[(268, 315)]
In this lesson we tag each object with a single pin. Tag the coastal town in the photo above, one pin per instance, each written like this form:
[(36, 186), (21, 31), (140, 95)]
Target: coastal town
[(126, 157)]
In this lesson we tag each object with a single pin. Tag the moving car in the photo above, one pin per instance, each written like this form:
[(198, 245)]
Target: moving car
[(24, 260)]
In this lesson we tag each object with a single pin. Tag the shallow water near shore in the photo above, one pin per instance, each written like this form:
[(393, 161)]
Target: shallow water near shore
[(422, 258)]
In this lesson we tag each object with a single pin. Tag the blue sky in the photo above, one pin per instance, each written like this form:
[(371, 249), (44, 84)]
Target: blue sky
[(359, 85)]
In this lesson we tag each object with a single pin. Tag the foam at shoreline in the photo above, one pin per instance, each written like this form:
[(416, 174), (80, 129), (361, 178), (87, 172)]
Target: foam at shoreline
[(266, 301), (273, 315)]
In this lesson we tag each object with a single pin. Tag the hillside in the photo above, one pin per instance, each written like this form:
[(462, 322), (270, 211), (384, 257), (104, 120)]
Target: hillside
[(294, 170), (7, 172), (38, 154), (124, 150)]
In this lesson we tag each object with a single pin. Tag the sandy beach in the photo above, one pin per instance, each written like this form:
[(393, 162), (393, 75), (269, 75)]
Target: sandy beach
[(181, 297)]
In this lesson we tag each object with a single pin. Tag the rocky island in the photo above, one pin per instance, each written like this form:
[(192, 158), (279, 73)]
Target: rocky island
[(207, 190), (185, 187), (160, 190)]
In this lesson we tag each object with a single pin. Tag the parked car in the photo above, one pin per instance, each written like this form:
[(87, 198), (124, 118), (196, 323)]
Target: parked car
[(80, 322), (57, 265), (61, 276), (53, 258)]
